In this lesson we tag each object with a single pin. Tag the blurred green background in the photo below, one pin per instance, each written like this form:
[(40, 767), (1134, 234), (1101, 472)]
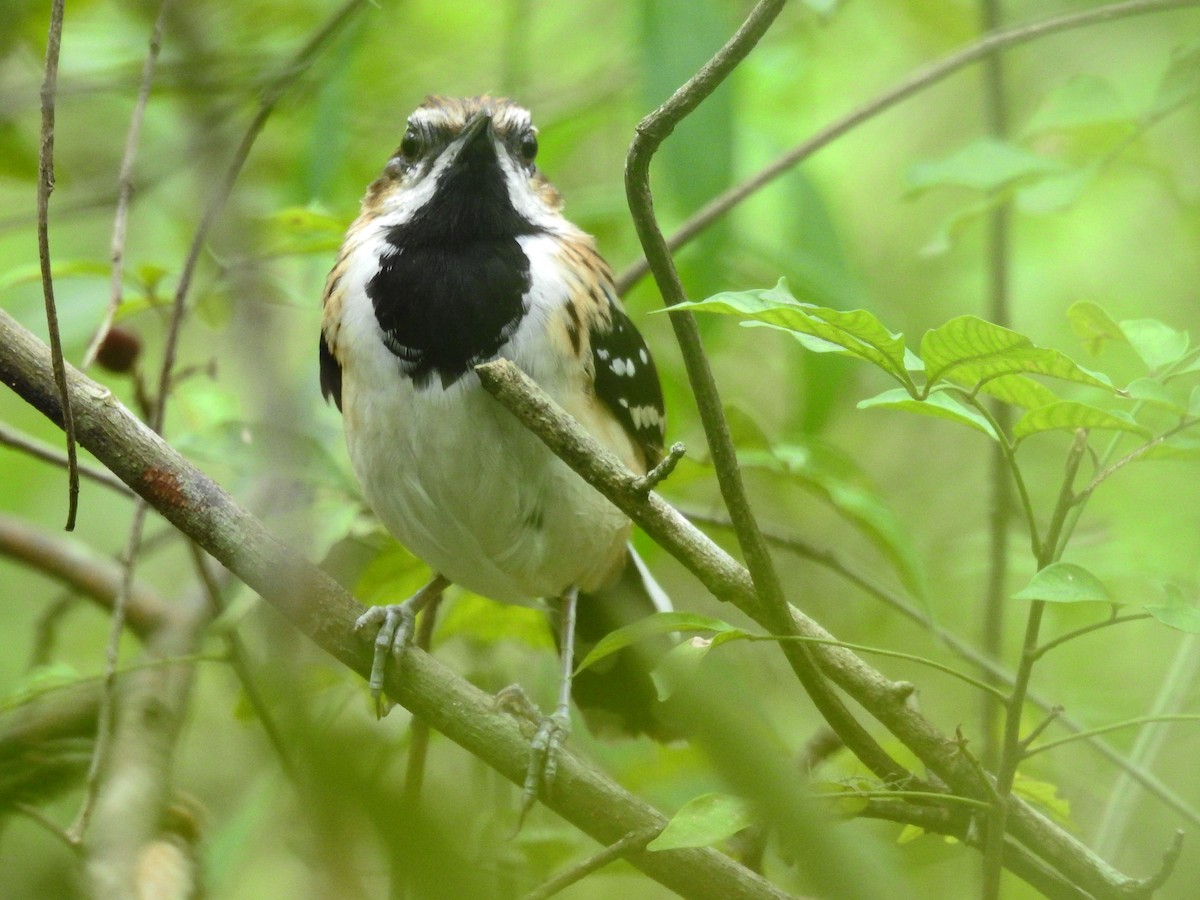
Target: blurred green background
[(1101, 165)]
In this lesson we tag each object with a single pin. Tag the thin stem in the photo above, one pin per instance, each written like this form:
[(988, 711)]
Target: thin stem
[(998, 251), (1009, 452), (1011, 750), (635, 840), (1087, 629), (927, 796), (45, 187), (125, 187), (1116, 726), (108, 704), (18, 441), (892, 654), (920, 80), (239, 662)]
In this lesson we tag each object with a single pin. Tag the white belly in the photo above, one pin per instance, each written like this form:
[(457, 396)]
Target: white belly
[(474, 495)]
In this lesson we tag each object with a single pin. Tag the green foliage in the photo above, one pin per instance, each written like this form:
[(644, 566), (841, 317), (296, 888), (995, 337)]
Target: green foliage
[(704, 821), (1064, 583)]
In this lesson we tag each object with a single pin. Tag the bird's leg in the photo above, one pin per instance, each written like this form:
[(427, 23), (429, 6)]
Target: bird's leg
[(393, 626), (553, 731)]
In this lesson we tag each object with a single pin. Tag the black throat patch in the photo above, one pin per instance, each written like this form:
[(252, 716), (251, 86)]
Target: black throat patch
[(452, 290)]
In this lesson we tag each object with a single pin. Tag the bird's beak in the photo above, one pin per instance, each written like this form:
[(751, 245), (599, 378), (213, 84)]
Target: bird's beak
[(477, 127)]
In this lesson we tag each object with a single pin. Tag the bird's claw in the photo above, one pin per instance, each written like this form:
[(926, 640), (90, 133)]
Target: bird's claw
[(393, 631), (543, 759)]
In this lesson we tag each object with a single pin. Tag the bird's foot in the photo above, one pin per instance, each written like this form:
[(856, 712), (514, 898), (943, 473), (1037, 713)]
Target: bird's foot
[(552, 732), (393, 626)]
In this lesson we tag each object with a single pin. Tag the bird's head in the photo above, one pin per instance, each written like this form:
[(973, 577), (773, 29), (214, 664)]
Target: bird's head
[(465, 170)]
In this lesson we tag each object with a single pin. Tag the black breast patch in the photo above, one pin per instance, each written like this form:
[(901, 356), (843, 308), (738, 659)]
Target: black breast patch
[(444, 307)]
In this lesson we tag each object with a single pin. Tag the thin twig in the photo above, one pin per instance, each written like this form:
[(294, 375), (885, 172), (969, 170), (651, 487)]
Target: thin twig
[(1115, 726), (48, 824), (45, 187), (652, 131), (18, 441), (998, 252), (1011, 750), (635, 840), (125, 187), (1087, 629), (239, 661), (1148, 780), (300, 62), (108, 706), (915, 83)]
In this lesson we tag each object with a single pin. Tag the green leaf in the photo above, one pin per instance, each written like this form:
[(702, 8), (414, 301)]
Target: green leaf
[(1068, 415), (1177, 612), (1176, 447), (679, 664), (1147, 390), (1094, 326), (1019, 390), (1055, 193), (1159, 345), (1083, 101), (1045, 795), (939, 404), (856, 332), (837, 480), (651, 626), (909, 833), (486, 622), (983, 165), (1064, 583), (703, 821), (1181, 81), (971, 351), (69, 268)]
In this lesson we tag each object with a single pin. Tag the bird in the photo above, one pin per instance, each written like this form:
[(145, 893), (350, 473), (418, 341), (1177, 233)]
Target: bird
[(461, 255)]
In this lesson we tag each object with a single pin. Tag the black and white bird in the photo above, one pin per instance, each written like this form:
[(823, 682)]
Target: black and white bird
[(460, 255)]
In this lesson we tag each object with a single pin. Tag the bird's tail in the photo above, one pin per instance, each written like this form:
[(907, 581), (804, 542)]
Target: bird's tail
[(617, 693)]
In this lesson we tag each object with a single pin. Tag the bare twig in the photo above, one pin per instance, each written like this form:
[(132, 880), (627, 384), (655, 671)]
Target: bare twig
[(239, 660), (18, 441), (998, 254), (598, 860), (108, 707), (97, 578), (45, 187), (300, 63), (125, 186), (915, 83)]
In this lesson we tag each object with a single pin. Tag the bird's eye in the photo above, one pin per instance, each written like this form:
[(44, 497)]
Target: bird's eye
[(529, 147), (411, 146)]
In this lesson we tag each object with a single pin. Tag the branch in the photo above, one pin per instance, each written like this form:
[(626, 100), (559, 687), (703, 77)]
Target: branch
[(651, 132), (883, 698), (915, 83), (45, 187), (324, 611), (38, 450), (97, 578)]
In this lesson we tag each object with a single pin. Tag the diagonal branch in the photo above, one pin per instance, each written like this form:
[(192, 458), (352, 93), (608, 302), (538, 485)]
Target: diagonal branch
[(324, 611), (886, 700)]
